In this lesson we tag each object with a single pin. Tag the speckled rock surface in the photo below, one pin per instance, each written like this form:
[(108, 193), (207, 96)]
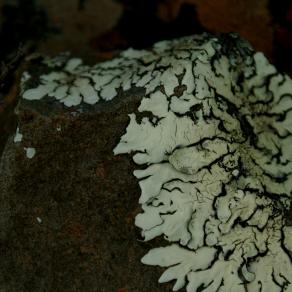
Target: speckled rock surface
[(212, 129), (67, 213)]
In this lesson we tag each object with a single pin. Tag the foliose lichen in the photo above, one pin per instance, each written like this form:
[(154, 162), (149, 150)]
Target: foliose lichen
[(217, 145)]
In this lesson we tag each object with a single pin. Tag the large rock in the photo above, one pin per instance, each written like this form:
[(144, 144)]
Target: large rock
[(67, 213), (210, 126)]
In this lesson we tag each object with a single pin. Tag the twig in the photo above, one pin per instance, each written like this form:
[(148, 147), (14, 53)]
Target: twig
[(7, 68)]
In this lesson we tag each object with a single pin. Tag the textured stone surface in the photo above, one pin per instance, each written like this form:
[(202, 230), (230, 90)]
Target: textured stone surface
[(198, 89), (67, 213)]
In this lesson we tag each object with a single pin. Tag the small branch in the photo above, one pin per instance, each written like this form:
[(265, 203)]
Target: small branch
[(7, 68)]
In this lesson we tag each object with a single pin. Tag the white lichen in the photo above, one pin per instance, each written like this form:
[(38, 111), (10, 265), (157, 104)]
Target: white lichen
[(219, 164), (30, 152), (216, 141), (25, 77), (69, 86), (18, 136)]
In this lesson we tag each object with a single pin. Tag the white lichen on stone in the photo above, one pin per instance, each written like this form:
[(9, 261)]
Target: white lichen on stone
[(30, 152), (219, 175), (18, 136), (70, 85), (57, 61), (216, 141), (25, 77)]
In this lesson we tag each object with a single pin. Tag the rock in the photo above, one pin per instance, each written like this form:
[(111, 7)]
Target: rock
[(209, 121), (67, 213)]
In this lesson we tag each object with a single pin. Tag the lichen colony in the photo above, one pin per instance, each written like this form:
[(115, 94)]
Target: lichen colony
[(215, 142)]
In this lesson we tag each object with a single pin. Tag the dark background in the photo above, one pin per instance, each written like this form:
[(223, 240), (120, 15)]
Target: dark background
[(88, 27)]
